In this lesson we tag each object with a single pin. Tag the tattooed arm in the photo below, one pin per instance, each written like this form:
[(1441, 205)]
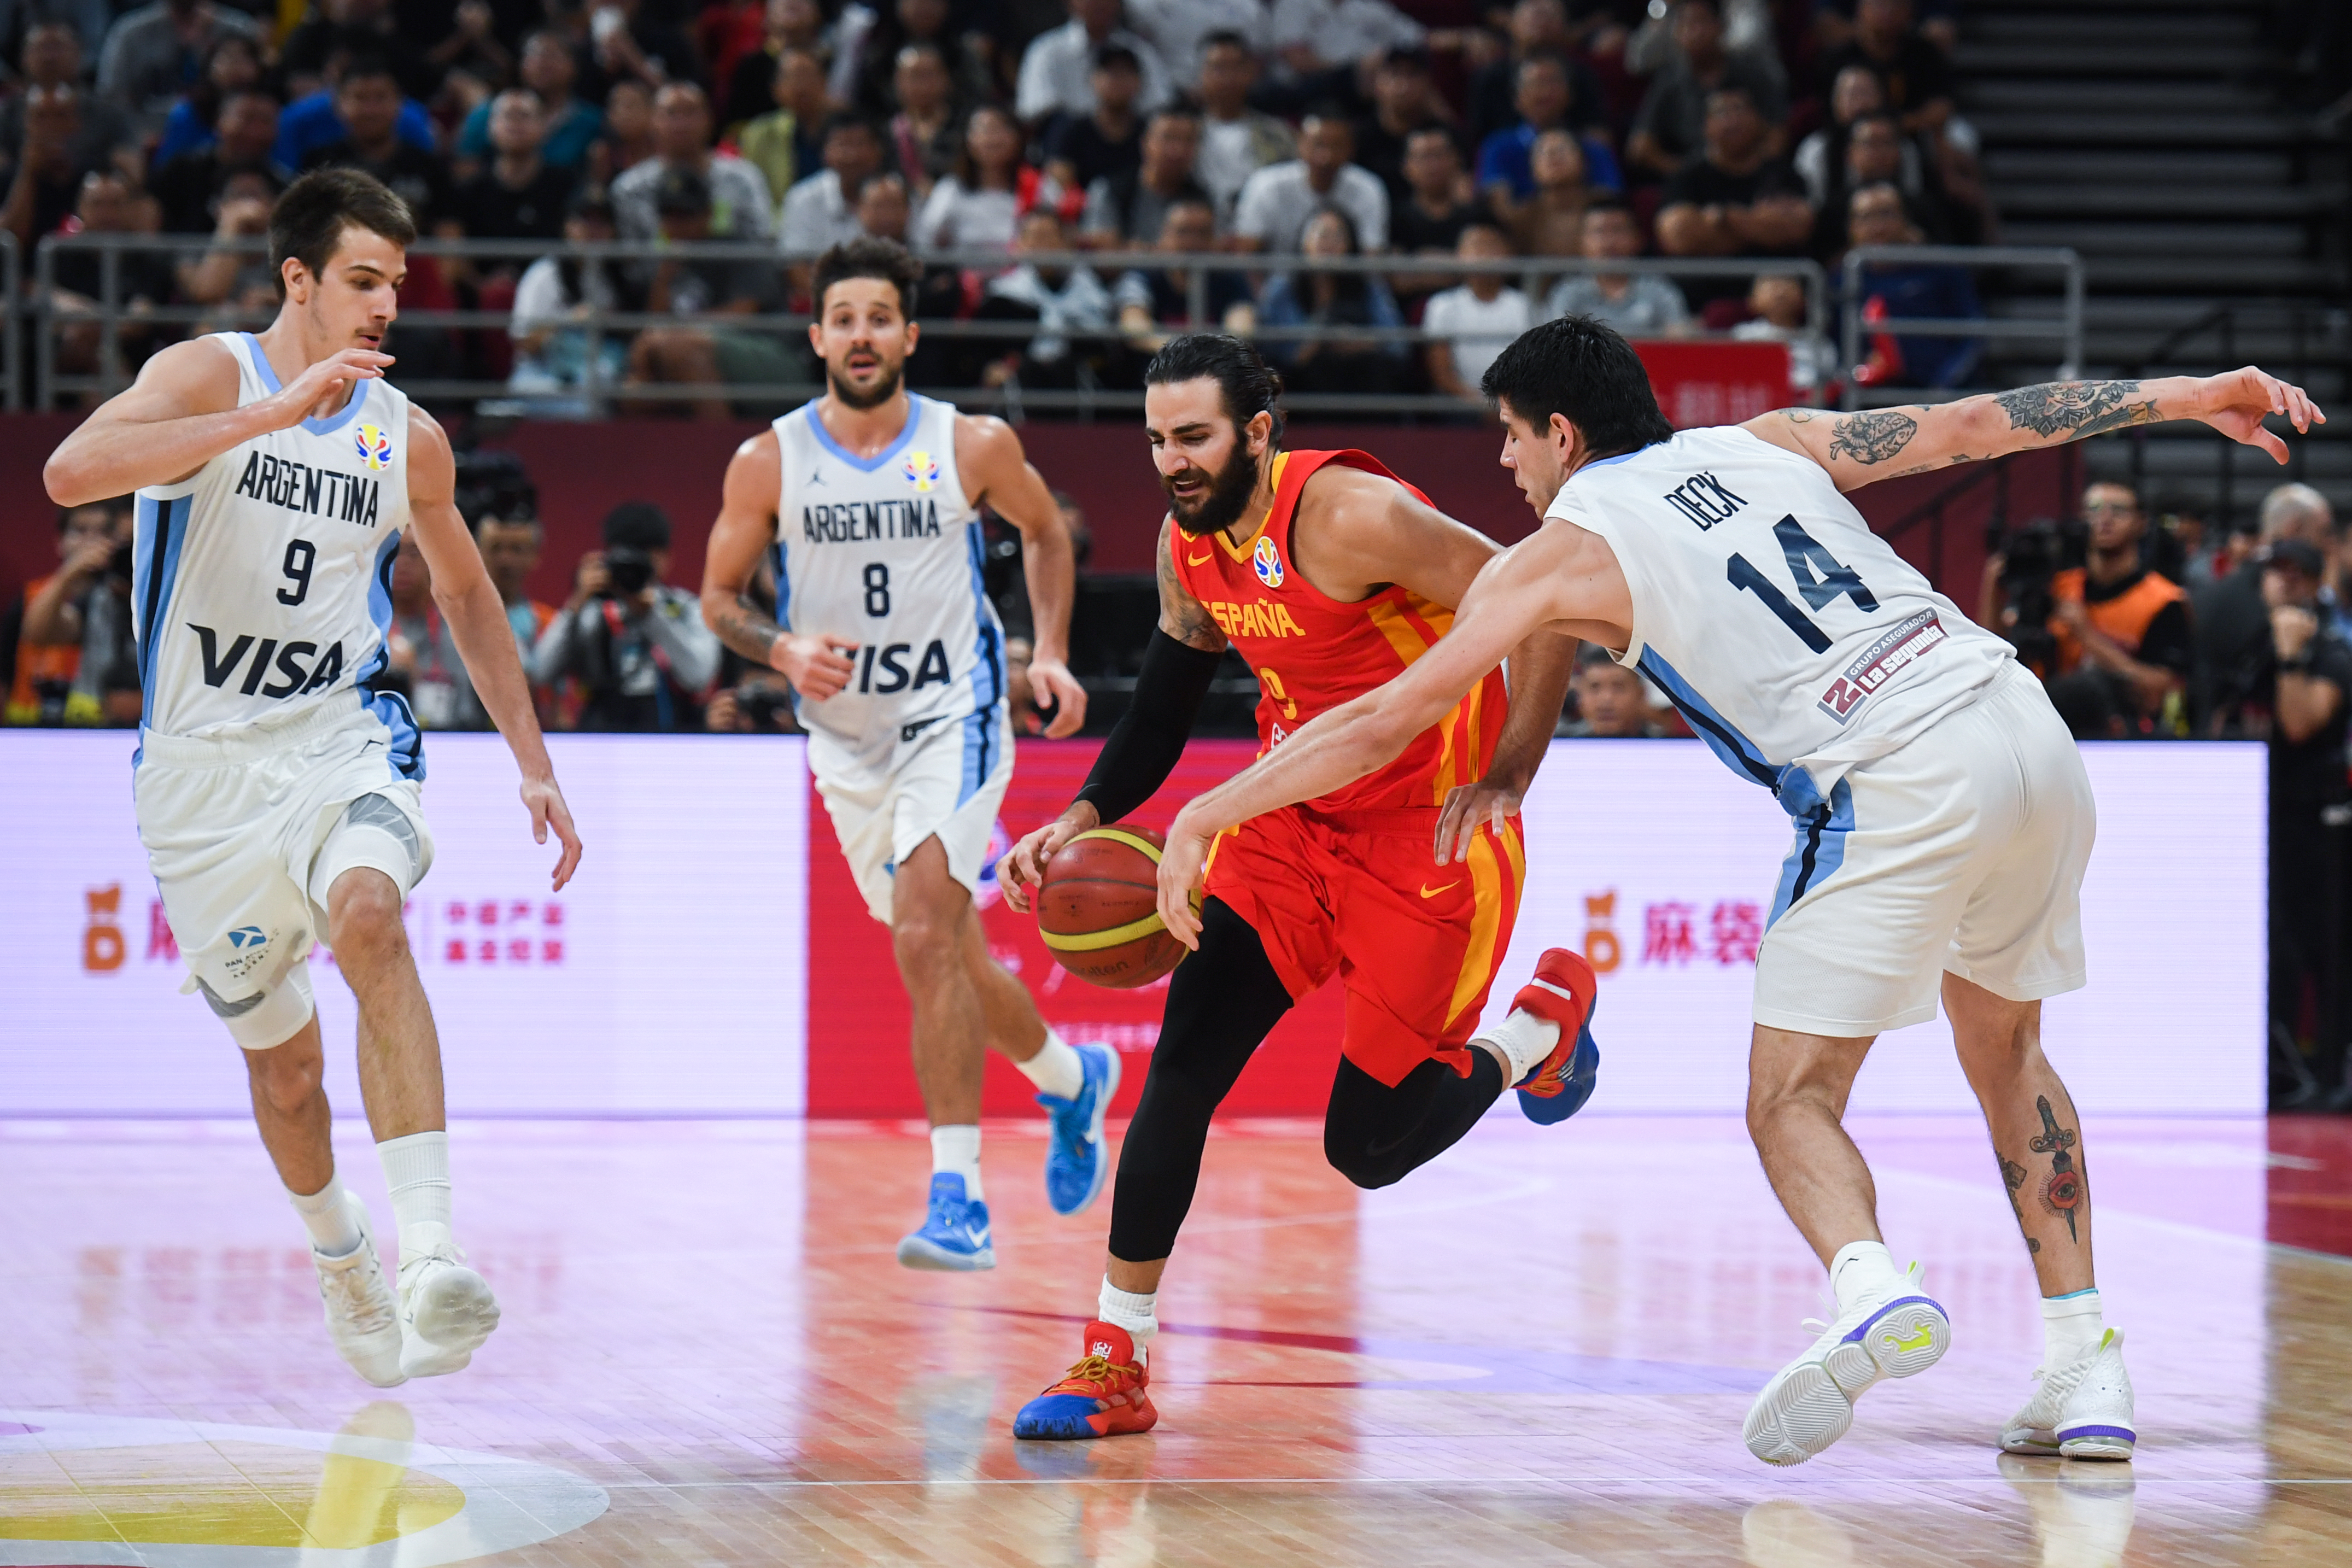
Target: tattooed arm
[(818, 664), (1887, 443)]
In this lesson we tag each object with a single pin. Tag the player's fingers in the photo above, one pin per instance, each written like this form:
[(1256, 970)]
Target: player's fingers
[(2269, 443)]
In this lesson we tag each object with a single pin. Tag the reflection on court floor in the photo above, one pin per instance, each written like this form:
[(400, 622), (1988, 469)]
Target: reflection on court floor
[(1536, 1350)]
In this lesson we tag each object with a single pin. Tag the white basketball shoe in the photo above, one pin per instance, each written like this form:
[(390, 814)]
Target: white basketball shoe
[(1809, 1404), (363, 1317), (2081, 1410), (447, 1311)]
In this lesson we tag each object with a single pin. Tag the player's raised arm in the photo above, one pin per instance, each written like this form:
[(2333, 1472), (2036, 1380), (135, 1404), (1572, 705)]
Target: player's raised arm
[(990, 454), (1144, 745), (1557, 582), (181, 413), (477, 620), (816, 663), (1888, 443)]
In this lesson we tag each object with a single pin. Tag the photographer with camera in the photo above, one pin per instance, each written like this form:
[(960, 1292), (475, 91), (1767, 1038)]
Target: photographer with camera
[(2111, 638), (86, 606), (635, 644)]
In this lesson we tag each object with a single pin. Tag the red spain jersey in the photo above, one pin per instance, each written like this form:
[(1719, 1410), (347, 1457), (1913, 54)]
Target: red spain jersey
[(1312, 652)]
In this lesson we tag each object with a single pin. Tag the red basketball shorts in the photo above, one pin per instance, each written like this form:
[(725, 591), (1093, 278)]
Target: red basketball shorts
[(1359, 894)]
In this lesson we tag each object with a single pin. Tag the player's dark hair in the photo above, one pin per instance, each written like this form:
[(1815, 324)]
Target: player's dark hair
[(1586, 370), (636, 525), (1250, 386), (310, 217), (1225, 39), (868, 257)]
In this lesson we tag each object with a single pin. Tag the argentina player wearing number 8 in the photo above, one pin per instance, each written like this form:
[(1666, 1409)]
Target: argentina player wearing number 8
[(1943, 816), (278, 782), (867, 503)]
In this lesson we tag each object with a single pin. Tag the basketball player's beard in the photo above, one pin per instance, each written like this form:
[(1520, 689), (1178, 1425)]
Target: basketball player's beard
[(850, 397), (1228, 497)]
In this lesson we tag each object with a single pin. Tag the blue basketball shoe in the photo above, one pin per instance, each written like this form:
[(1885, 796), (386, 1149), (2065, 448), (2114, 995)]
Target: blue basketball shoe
[(955, 1233), (1565, 992), (1077, 1162)]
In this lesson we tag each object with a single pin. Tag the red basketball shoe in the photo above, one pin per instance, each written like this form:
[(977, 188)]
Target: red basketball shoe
[(1564, 992), (1102, 1396)]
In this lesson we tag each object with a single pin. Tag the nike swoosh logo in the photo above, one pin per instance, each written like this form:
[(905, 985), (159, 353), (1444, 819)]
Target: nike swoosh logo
[(1918, 1342), (980, 1238), (1429, 893), (1201, 560)]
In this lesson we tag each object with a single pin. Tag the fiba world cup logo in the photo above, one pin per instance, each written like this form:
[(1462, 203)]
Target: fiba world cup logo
[(374, 445), (1268, 561), (921, 471)]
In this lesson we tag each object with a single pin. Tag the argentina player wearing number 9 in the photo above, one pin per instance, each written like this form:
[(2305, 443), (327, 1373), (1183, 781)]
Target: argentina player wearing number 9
[(278, 782), (867, 502), (1943, 816)]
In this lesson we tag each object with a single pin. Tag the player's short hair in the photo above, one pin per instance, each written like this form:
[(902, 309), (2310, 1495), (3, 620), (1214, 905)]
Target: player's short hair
[(310, 217), (1248, 385), (868, 257), (1586, 370)]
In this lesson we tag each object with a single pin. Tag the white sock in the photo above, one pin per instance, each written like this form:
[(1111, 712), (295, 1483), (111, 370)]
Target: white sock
[(1862, 1268), (1525, 1039), (2072, 1327), (1127, 1309), (956, 1152), (334, 1228), (416, 1169), (1055, 1069)]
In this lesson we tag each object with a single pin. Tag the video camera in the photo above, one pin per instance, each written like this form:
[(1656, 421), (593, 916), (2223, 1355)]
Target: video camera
[(2031, 558)]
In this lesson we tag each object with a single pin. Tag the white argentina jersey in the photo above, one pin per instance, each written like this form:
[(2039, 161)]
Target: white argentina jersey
[(263, 583), (886, 550), (1796, 642)]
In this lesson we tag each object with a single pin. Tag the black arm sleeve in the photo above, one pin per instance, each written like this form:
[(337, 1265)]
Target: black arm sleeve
[(1149, 736)]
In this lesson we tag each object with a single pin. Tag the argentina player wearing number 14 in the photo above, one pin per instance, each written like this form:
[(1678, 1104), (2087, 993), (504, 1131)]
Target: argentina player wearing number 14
[(1943, 815), (866, 504), (278, 782)]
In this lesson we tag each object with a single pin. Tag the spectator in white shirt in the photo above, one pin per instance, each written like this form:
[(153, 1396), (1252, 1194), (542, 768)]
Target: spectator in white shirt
[(681, 131), (1236, 140), (1480, 318), (1057, 71), (1060, 300), (1777, 301), (821, 211), (1181, 30), (1315, 37), (1276, 201), (979, 207), (1640, 306)]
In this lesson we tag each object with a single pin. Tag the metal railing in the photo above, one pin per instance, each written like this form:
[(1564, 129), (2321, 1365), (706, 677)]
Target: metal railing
[(597, 393), (2067, 330)]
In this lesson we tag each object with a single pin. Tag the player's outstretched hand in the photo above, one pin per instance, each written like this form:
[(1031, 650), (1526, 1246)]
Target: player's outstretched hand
[(1468, 806), (1023, 866), (2235, 403), (818, 664), (1051, 684), (544, 798), (323, 389), (1181, 866)]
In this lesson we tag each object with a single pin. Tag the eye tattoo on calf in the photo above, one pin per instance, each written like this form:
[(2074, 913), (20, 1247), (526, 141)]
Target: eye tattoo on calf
[(2065, 1191)]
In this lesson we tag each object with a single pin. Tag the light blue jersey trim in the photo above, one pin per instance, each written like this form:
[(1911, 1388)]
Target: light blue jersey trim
[(333, 422), (1740, 753), (391, 707), (161, 529), (914, 405), (1819, 851), (782, 560), (988, 667)]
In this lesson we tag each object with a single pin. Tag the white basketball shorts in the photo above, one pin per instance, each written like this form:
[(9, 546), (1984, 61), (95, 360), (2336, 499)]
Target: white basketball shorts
[(1962, 851), (946, 781), (246, 832)]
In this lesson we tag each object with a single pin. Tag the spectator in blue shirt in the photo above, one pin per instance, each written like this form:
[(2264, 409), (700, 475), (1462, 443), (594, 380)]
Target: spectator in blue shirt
[(550, 69), (232, 65), (310, 123), (1544, 104), (1893, 291)]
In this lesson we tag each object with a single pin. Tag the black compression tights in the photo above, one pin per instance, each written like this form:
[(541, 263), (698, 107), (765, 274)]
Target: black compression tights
[(1222, 1002)]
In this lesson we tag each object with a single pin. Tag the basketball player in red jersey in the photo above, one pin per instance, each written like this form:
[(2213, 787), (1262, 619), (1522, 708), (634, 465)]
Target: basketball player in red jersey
[(1329, 576)]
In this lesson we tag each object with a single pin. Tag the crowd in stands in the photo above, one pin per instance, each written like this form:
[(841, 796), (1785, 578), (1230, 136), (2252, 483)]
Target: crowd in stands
[(1602, 129)]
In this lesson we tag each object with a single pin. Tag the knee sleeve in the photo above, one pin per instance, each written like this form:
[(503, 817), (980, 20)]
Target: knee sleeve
[(375, 831), (272, 1015)]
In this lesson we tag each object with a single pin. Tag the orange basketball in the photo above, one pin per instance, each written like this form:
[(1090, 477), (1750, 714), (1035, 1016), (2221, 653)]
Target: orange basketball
[(1098, 908)]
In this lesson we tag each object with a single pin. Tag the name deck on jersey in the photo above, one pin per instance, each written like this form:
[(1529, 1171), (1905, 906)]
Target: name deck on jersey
[(299, 487)]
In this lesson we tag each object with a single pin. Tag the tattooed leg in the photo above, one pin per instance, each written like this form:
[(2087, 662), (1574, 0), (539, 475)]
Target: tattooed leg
[(2036, 1137)]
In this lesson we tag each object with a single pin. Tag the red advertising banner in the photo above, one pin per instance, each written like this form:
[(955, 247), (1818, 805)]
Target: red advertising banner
[(859, 1019), (1715, 383)]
